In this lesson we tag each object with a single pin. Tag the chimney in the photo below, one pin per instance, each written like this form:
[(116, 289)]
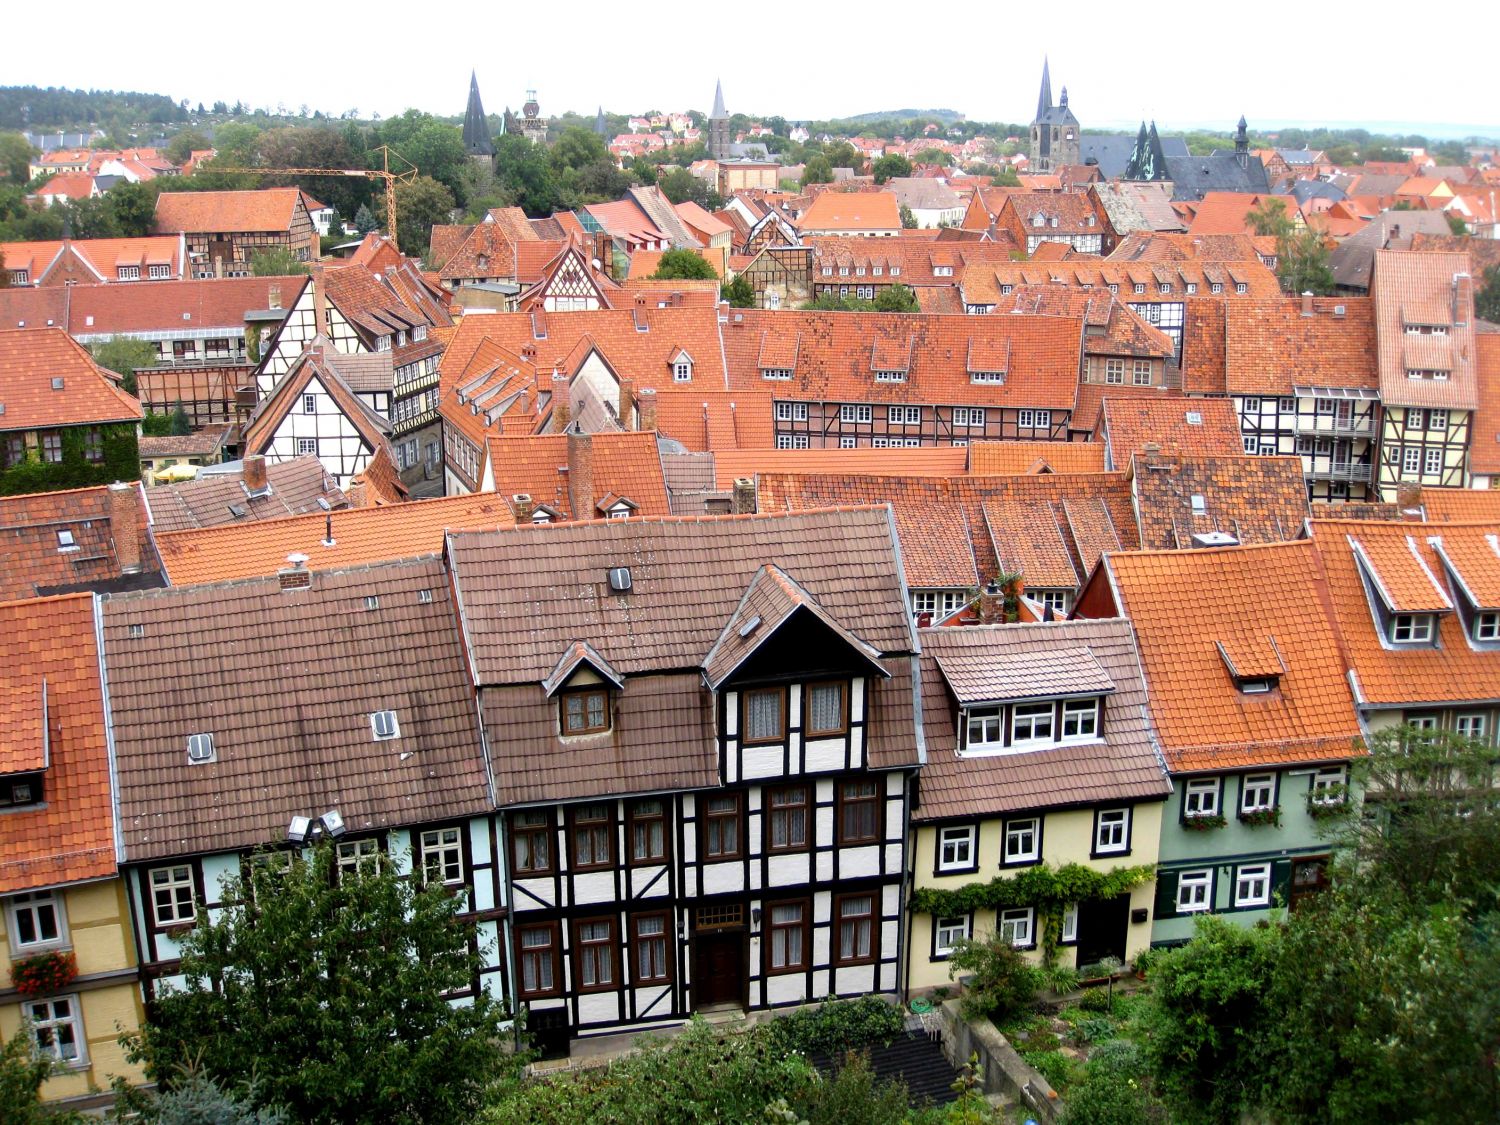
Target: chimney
[(1151, 452), (273, 296), (723, 312), (255, 475), (295, 575), (627, 404), (1409, 495), (1463, 299), (991, 603), (125, 526), (521, 504), (1307, 303), (581, 476), (743, 501), (648, 408)]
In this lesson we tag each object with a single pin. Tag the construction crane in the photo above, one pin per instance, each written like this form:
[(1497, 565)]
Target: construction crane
[(382, 173)]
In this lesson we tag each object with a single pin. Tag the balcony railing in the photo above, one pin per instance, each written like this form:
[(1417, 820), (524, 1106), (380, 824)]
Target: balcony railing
[(1353, 471), (1327, 426)]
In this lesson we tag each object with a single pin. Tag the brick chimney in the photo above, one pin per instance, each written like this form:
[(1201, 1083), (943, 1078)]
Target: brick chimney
[(581, 476), (723, 312), (125, 526), (648, 409), (1307, 303), (295, 575), (991, 603), (522, 505), (255, 474), (1408, 495), (627, 404), (743, 501)]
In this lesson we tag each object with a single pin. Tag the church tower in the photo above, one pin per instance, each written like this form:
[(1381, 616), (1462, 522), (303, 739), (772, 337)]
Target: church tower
[(533, 127), (1055, 134), (476, 126), (718, 126)]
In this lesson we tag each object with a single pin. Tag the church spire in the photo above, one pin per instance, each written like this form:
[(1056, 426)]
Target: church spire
[(476, 125), (1044, 100), (600, 126), (719, 110)]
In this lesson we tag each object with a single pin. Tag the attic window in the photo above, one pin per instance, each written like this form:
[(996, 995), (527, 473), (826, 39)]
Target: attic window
[(57, 382), (1199, 503), (1260, 685), (372, 601), (424, 597), (682, 371), (1194, 418), (137, 630), (21, 790), (890, 376), (986, 376), (66, 541), (1241, 288), (585, 712), (1411, 628), (200, 748), (775, 373), (383, 726), (1487, 627), (895, 271)]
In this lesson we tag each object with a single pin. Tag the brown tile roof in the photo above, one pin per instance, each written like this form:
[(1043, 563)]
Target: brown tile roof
[(1405, 563), (379, 483), (835, 356), (38, 562), (1273, 346), (1420, 288), (1255, 499), (932, 461), (710, 420), (1484, 446), (1179, 427), (919, 262), (625, 464), (47, 380), (1070, 210), (1112, 327), (687, 578), (1091, 396), (207, 442), (999, 458), (1204, 342), (296, 487), (1124, 766), (1186, 604), (286, 683), (981, 284), (241, 212), (361, 536), (1153, 246), (1484, 253), (70, 837), (851, 210)]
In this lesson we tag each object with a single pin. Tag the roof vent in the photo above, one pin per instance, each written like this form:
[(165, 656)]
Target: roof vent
[(1214, 539), (238, 511), (200, 748), (750, 626), (619, 579)]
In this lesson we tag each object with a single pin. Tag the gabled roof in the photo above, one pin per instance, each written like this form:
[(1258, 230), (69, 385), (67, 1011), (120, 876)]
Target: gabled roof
[(286, 683), (47, 380), (233, 212), (624, 464), (1425, 288), (577, 655), (50, 688), (110, 542), (852, 210), (297, 486), (715, 420), (1258, 596), (320, 361), (1274, 346), (1178, 427), (1040, 658), (361, 536), (976, 676), (101, 257)]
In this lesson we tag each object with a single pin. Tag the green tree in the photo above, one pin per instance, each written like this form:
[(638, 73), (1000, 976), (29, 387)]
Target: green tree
[(275, 261), (740, 293), (1302, 262), (896, 298), (889, 166), (1001, 982), (525, 176), (1269, 218), (15, 159), (365, 221), (1456, 224), (330, 988), (22, 1072), (817, 171), (679, 185), (681, 265), (1007, 177), (193, 1099), (122, 355), (420, 204), (576, 148), (908, 220), (1487, 299), (181, 147), (132, 207)]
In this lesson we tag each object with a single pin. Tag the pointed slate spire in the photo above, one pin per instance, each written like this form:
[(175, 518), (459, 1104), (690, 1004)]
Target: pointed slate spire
[(1139, 156), (1242, 137), (1044, 100), (1063, 101), (719, 110), (476, 125), (600, 126)]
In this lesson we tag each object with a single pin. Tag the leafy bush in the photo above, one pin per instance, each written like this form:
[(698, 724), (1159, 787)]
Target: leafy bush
[(1096, 1000), (1002, 980), (836, 1027), (1108, 1099), (1061, 1071), (1096, 1030), (853, 1096)]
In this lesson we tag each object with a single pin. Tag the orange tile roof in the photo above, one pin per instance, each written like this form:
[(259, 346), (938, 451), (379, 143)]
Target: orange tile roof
[(47, 379), (1484, 445), (242, 212), (1255, 499), (158, 306), (1157, 246), (1113, 328), (702, 222), (834, 357), (645, 263), (1417, 287), (1179, 427), (1091, 396), (361, 536), (1406, 555), (932, 461), (1202, 362), (1272, 347), (34, 560), (917, 261), (1226, 212), (852, 210), (982, 284), (69, 185), (710, 421), (624, 465), (999, 458), (101, 255), (1261, 600), (1460, 505), (71, 836)]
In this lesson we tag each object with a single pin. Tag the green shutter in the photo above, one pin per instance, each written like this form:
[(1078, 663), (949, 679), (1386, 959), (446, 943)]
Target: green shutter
[(1281, 882), (1166, 895)]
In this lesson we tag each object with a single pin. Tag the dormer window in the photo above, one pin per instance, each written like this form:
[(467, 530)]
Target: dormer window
[(876, 271), (895, 271), (384, 726), (1259, 685), (780, 373), (128, 273), (585, 711), (1031, 722), (1241, 288), (1140, 287), (1487, 626), (763, 715), (682, 371), (1038, 220), (1411, 628), (984, 729), (1216, 287)]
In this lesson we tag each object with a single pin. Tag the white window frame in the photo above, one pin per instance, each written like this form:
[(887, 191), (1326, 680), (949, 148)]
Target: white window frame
[(1086, 713), (307, 447), (949, 931), (1472, 724), (385, 725), (1034, 419), (1432, 462), (1411, 458), (1104, 831), (1328, 785), (351, 856), (964, 844), (1257, 792), (33, 903), (309, 404), (903, 415), (1068, 932), (1030, 718), (682, 372), (44, 1026), (848, 442), (1140, 373), (1437, 420), (178, 875), (435, 844), (1017, 925), (1200, 797), (1487, 626), (856, 412), (1016, 832), (1114, 371), (968, 416), (985, 718), (1200, 884), (1252, 884), (1411, 628)]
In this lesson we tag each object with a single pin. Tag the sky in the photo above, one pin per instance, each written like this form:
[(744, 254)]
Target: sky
[(1204, 66)]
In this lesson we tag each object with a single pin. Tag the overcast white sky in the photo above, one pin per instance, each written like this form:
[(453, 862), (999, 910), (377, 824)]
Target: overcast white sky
[(1203, 63)]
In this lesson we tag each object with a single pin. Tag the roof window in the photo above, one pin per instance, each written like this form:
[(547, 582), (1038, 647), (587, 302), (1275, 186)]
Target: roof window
[(384, 726), (200, 748)]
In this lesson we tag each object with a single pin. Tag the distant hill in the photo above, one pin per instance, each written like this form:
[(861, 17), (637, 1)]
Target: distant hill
[(55, 108), (946, 115)]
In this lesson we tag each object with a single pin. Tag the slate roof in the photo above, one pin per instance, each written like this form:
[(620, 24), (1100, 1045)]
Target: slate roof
[(360, 536), (1272, 347), (1137, 207), (296, 487), (1111, 151), (1267, 596), (1124, 766), (1193, 177), (238, 212), (286, 682), (1353, 260), (529, 596), (36, 560), (47, 380)]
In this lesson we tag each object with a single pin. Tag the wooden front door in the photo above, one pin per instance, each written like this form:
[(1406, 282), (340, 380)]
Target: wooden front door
[(719, 968), (1309, 877), (1102, 926)]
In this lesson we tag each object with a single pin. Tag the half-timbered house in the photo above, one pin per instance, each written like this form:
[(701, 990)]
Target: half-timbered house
[(703, 750), (235, 734), (224, 229)]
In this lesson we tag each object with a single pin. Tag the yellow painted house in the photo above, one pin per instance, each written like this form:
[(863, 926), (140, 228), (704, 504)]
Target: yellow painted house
[(1040, 758), (64, 934)]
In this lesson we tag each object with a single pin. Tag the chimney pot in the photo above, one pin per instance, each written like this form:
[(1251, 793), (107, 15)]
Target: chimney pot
[(1307, 303), (991, 603)]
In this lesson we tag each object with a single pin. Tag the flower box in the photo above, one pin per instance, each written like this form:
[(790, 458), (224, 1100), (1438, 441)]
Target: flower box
[(1204, 823), (1258, 817), (44, 973)]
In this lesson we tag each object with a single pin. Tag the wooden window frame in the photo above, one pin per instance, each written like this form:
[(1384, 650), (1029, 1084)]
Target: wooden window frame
[(808, 730), (772, 926), (633, 817), (554, 953), (706, 816), (638, 943), (567, 697), (547, 830), (158, 921), (843, 802), (611, 943), (771, 811), (591, 825), (872, 919), (780, 736)]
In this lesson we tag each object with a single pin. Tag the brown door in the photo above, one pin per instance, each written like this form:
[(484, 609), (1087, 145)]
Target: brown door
[(719, 976)]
